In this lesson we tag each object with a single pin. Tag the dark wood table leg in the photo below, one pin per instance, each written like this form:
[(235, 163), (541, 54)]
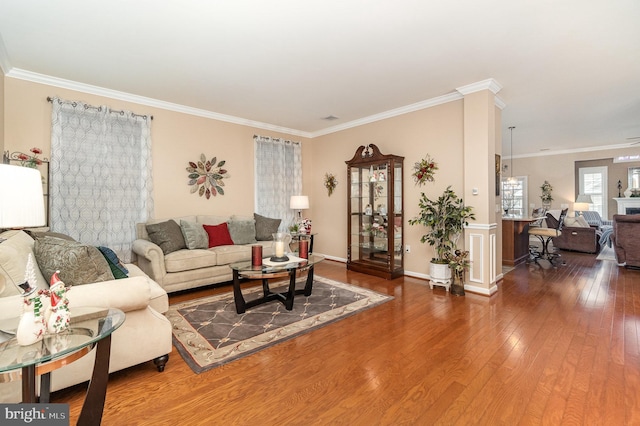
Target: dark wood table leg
[(291, 293), (29, 384), (308, 287), (237, 294), (45, 388), (93, 406)]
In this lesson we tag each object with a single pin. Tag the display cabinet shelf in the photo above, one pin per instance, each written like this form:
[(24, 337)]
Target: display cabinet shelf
[(375, 213)]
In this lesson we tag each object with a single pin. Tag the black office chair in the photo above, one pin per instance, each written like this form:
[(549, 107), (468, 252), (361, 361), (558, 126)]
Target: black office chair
[(545, 235)]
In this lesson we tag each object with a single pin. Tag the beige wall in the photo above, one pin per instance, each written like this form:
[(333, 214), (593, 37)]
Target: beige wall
[(436, 131), (559, 171), (177, 139)]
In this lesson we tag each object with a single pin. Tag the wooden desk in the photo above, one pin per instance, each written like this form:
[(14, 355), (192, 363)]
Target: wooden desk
[(515, 239)]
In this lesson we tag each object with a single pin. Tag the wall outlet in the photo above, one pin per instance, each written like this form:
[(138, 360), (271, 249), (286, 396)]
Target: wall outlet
[(407, 248)]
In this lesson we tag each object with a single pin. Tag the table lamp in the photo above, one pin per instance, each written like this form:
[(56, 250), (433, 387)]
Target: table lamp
[(582, 203), (299, 202), (21, 199)]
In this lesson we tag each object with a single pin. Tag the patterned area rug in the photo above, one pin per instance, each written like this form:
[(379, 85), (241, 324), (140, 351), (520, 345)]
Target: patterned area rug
[(208, 332)]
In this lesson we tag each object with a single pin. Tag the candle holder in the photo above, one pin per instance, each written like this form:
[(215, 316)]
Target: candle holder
[(280, 241)]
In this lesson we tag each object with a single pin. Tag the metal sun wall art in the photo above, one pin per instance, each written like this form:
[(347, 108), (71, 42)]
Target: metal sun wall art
[(206, 176)]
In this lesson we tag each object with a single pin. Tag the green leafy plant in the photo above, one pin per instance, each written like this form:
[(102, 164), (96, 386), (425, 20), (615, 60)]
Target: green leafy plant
[(445, 217)]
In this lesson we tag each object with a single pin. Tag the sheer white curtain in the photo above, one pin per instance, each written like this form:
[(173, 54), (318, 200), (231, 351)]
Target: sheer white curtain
[(101, 183), (278, 176)]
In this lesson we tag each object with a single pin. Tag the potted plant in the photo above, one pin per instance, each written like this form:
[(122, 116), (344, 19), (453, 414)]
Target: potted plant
[(458, 263), (546, 194), (445, 217)]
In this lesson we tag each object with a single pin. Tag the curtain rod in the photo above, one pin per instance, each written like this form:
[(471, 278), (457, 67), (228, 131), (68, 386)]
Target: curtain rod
[(50, 99), (277, 139)]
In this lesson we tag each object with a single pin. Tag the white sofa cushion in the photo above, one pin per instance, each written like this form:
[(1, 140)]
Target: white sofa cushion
[(231, 254), (186, 260)]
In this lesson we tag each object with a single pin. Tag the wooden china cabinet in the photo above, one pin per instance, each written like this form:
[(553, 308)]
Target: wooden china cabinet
[(375, 213)]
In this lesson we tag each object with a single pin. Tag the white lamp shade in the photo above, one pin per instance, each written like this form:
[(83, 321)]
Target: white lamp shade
[(299, 202), (21, 200), (584, 198), (581, 207)]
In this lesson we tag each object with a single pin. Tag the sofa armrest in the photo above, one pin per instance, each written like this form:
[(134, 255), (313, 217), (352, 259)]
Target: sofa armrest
[(127, 294), (150, 259)]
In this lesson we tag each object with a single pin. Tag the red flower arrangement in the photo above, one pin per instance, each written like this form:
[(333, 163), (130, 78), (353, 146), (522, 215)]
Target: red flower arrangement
[(31, 161), (424, 170)]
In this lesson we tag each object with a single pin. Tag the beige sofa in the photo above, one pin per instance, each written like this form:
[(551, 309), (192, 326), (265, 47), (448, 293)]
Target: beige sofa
[(188, 268), (144, 336)]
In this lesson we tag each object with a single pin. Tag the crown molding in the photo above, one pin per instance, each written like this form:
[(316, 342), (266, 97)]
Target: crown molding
[(34, 77), (488, 84), (142, 100), (500, 103), (4, 58), (389, 114), (574, 151)]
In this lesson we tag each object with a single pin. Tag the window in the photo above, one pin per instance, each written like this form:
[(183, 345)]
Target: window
[(278, 176), (593, 181), (101, 183), (514, 196)]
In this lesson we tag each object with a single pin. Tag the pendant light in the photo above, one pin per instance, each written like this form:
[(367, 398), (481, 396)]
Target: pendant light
[(511, 180)]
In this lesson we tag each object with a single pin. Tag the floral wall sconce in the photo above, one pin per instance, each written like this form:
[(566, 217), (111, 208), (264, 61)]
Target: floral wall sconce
[(330, 182), (424, 170), (206, 177)]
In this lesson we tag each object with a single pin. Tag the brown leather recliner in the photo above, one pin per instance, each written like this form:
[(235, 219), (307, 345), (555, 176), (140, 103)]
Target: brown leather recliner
[(625, 239)]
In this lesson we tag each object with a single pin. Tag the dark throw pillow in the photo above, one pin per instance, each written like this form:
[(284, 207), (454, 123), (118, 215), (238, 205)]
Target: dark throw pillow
[(218, 235), (265, 226), (78, 263), (167, 235), (242, 231), (117, 268)]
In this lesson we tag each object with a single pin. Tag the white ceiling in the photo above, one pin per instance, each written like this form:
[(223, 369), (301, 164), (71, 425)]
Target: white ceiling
[(570, 70)]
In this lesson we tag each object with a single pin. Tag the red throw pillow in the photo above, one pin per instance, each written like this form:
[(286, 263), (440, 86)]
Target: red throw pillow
[(218, 235)]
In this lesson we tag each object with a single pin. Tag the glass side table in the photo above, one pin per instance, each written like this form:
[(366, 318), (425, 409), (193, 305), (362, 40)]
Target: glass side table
[(295, 238), (90, 327)]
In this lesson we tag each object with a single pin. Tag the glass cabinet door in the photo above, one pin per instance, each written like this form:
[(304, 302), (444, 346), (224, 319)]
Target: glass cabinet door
[(375, 221)]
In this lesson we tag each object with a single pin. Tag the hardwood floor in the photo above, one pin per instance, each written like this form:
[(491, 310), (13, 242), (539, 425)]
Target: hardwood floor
[(552, 347)]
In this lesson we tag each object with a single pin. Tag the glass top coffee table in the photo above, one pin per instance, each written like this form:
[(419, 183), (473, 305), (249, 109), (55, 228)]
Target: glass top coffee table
[(264, 272), (89, 327)]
